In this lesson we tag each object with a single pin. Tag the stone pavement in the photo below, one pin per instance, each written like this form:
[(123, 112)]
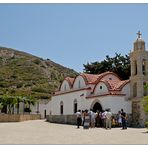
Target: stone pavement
[(41, 132)]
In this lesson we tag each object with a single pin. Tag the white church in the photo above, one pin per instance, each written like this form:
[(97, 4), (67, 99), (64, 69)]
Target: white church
[(103, 91), (89, 91)]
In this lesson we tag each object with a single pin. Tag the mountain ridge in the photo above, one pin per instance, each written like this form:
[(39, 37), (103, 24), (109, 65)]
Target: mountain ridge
[(22, 73)]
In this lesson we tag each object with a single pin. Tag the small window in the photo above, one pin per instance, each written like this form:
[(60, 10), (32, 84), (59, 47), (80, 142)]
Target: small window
[(143, 67), (135, 90), (144, 89), (61, 107), (135, 68), (100, 87), (79, 84), (75, 106), (64, 87)]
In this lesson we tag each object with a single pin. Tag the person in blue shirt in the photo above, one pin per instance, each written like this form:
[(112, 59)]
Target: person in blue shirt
[(124, 121)]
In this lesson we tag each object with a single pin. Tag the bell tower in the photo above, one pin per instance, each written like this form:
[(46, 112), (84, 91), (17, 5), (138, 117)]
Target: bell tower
[(139, 75)]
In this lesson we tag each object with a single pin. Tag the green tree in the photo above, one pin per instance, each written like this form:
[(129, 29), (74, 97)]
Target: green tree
[(118, 64), (145, 99), (18, 100), (1, 106), (145, 102), (29, 101), (8, 101), (146, 86)]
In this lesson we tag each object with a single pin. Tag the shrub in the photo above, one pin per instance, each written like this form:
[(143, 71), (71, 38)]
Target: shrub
[(37, 61), (40, 89), (28, 84), (19, 85), (4, 84)]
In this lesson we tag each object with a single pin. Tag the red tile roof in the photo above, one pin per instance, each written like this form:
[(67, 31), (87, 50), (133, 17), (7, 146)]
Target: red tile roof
[(94, 78), (114, 86), (89, 78), (70, 81)]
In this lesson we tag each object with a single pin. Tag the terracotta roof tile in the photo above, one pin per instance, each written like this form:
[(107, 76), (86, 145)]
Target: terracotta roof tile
[(113, 85), (70, 80), (90, 78), (94, 78), (116, 84)]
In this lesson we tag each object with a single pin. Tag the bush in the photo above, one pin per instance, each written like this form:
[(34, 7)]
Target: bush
[(28, 84), (37, 61), (40, 89), (19, 85), (4, 84)]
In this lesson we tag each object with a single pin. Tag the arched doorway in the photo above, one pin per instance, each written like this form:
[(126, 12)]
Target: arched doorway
[(97, 107)]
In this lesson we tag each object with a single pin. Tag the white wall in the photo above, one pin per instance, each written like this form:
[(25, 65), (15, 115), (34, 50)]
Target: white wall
[(43, 105), (65, 83), (126, 90), (76, 82), (115, 103), (68, 102), (21, 108), (110, 77), (99, 91)]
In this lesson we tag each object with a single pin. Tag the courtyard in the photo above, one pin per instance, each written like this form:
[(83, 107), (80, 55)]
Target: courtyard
[(42, 132)]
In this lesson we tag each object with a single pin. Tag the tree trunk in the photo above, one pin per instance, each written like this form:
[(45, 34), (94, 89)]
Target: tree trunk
[(18, 106), (29, 107)]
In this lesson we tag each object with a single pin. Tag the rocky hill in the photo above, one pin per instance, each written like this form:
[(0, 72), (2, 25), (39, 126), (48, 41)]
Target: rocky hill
[(24, 74)]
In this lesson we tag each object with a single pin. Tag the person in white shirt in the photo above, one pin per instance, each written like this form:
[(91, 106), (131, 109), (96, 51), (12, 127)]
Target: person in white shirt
[(79, 119), (108, 119), (104, 118), (92, 119)]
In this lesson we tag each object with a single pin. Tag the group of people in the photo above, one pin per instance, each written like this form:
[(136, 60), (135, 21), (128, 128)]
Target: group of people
[(105, 119)]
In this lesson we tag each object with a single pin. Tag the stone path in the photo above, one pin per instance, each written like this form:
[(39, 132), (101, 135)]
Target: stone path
[(41, 132)]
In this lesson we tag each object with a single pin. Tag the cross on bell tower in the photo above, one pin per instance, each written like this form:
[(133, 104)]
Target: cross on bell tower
[(139, 44), (139, 34)]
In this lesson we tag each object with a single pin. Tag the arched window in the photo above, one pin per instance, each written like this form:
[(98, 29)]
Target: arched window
[(61, 107), (143, 67), (145, 91), (75, 105), (65, 87), (79, 84), (135, 68)]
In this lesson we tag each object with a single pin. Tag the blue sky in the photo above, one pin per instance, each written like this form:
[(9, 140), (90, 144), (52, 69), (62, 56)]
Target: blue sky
[(72, 34)]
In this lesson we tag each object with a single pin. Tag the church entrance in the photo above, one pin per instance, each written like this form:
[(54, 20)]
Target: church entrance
[(97, 107)]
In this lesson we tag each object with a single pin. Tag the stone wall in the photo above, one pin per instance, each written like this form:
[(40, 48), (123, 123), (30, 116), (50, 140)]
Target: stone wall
[(63, 119), (18, 118), (71, 119)]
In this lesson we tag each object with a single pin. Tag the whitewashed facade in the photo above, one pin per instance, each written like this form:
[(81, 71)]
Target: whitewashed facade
[(88, 91), (41, 107), (106, 90)]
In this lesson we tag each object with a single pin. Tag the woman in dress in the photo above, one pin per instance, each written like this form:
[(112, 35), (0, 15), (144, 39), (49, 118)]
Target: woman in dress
[(119, 119), (86, 120)]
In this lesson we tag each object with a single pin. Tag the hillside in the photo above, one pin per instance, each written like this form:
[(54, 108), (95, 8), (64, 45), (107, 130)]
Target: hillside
[(24, 74)]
